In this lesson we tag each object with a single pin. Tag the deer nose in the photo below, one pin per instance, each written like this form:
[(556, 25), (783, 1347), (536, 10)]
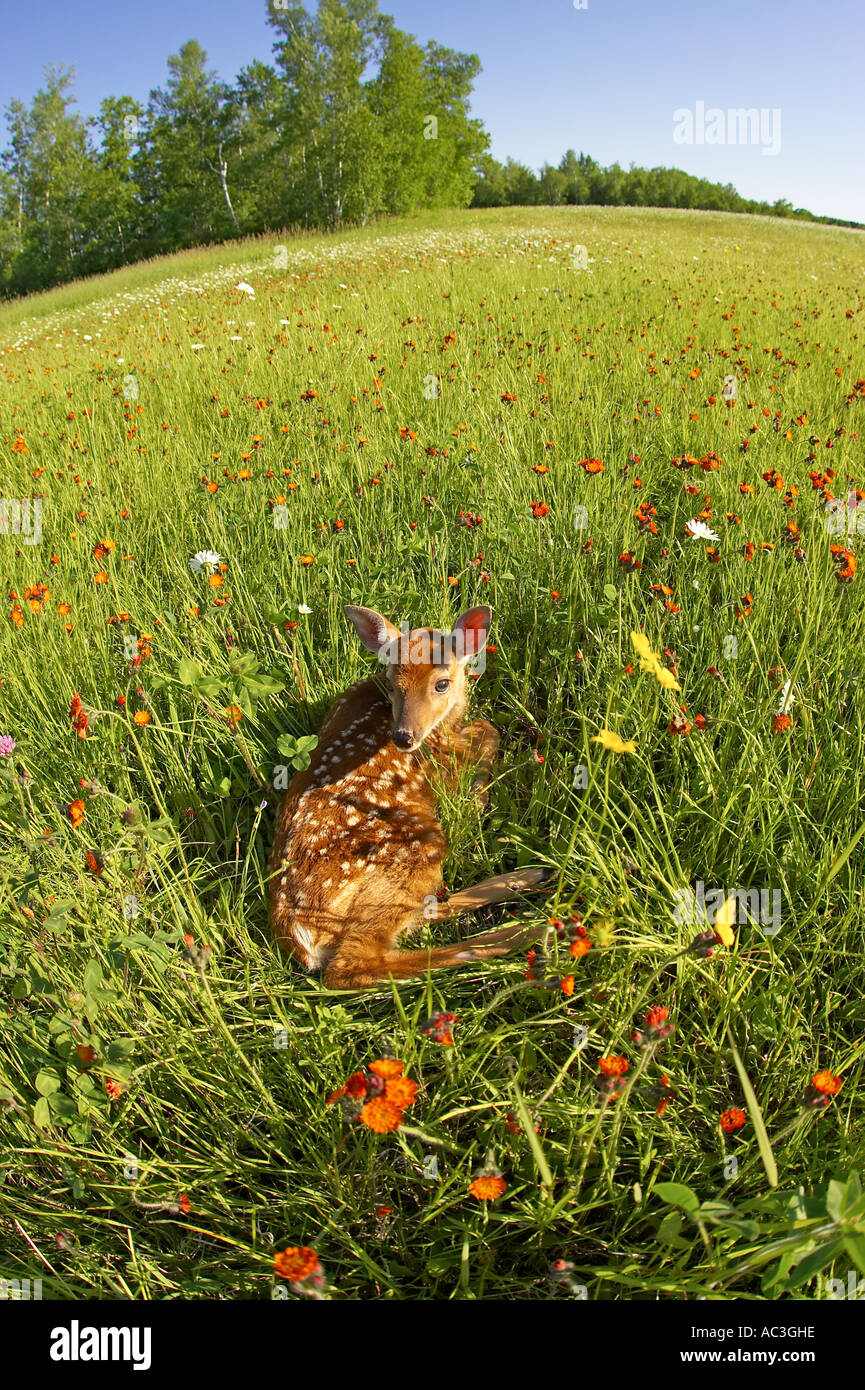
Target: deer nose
[(403, 738)]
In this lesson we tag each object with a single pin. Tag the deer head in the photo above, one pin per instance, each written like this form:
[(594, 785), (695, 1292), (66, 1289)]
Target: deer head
[(426, 668)]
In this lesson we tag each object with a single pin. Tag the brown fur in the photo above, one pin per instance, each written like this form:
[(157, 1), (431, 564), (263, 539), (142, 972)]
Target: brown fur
[(358, 848)]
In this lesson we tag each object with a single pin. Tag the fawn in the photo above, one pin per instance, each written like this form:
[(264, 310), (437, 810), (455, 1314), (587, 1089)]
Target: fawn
[(358, 848)]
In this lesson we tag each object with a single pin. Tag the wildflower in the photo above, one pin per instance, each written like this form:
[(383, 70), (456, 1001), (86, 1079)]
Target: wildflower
[(821, 1088), (381, 1115), (233, 714), (781, 723), (440, 1026), (592, 465), (663, 1096), (7, 745), (733, 1119), (488, 1187), (301, 1267), (78, 716), (112, 1090), (94, 862), (787, 699), (204, 559), (699, 531), (77, 811), (379, 1095), (141, 717), (652, 663), (245, 288), (656, 1025), (303, 608), (612, 1071), (613, 743)]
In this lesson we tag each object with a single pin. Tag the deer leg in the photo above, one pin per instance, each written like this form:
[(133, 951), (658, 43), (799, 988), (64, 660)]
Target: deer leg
[(499, 889), (484, 742)]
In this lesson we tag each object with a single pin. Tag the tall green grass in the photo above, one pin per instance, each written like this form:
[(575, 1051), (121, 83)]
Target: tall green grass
[(424, 328)]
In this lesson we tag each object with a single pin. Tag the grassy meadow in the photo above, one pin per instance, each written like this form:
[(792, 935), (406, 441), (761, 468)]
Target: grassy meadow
[(420, 417)]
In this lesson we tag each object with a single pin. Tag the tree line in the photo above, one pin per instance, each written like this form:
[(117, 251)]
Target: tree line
[(353, 119), (577, 180)]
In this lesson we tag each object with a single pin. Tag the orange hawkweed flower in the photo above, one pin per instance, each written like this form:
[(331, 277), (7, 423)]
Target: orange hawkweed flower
[(487, 1187), (78, 716), (141, 717), (826, 1084), (731, 1120), (402, 1091), (381, 1115), (387, 1067), (307, 559), (77, 812), (295, 1263), (233, 714), (613, 1066)]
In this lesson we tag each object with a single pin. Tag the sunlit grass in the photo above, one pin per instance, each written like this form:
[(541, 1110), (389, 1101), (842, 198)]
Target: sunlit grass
[(421, 328)]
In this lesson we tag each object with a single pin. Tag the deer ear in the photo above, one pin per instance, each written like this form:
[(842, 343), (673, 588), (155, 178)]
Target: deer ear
[(472, 628), (374, 631)]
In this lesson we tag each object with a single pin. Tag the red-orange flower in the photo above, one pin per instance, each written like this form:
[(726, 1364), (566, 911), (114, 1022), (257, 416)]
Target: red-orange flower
[(78, 716), (402, 1091), (487, 1187), (613, 1066), (826, 1083), (387, 1067), (381, 1115), (296, 1263), (733, 1119)]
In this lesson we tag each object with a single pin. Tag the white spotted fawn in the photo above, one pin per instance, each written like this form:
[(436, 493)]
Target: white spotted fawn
[(358, 849)]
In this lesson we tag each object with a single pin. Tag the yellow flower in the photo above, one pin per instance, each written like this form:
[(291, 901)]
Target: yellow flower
[(724, 919), (650, 662), (613, 743)]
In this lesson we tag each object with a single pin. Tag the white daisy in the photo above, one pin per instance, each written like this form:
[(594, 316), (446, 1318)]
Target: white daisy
[(303, 608), (205, 559), (699, 531), (787, 700), (247, 289)]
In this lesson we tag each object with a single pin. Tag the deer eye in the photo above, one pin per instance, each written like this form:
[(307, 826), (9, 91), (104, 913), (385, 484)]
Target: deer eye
[(441, 687)]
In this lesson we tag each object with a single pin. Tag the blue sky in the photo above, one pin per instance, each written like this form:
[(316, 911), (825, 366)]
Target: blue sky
[(606, 79)]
